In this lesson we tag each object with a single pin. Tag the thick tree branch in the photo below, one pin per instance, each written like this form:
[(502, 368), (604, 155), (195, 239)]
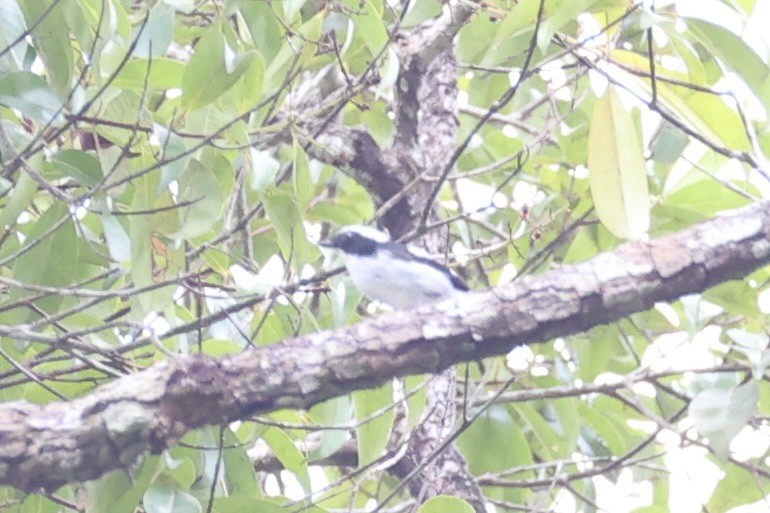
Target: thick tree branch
[(425, 110), (47, 446)]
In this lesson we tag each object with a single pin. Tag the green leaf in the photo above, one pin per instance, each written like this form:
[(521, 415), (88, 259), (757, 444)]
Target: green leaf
[(288, 454), (200, 186), (310, 31), (52, 41), (247, 92), (173, 146), (30, 94), (117, 492), (291, 8), (705, 197), (124, 109), (283, 213), (415, 401), (668, 144), (158, 32), (162, 498), (218, 260), (738, 486), (55, 261), (733, 51), (494, 442), (213, 69), (117, 239), (613, 434), (724, 121), (445, 504), (719, 414), (81, 166), (567, 412), (140, 230), (239, 474), (303, 186), (182, 472), (550, 441), (107, 30), (738, 298), (338, 215), (21, 198), (159, 73), (372, 435), (12, 25), (617, 173), (368, 22), (334, 412), (264, 28)]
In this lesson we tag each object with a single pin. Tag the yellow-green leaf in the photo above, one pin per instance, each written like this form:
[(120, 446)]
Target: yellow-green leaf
[(367, 19), (618, 179), (288, 454)]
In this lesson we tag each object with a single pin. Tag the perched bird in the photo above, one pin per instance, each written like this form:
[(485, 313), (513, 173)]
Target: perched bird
[(392, 273)]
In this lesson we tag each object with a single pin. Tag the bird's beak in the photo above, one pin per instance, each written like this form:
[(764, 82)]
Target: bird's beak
[(326, 244)]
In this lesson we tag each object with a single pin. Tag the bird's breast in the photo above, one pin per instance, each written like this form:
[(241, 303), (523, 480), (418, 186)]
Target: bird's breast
[(400, 284)]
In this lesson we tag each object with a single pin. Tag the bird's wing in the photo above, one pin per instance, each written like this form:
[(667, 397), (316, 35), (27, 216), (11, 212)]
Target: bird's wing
[(418, 255)]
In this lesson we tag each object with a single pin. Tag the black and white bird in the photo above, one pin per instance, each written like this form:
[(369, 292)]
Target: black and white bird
[(400, 276)]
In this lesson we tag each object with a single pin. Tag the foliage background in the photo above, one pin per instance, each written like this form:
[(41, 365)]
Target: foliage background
[(165, 176)]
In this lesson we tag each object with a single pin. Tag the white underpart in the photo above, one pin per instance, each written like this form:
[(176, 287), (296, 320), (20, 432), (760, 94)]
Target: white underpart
[(397, 283)]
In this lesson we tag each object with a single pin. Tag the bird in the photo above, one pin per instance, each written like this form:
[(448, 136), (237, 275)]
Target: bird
[(392, 273)]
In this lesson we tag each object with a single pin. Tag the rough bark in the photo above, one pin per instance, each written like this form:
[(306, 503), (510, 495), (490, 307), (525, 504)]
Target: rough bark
[(50, 445), (426, 132)]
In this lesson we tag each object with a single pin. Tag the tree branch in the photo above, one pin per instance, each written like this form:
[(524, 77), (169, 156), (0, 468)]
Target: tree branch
[(50, 445)]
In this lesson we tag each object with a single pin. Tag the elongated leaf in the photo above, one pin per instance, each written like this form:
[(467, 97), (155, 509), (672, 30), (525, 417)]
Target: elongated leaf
[(12, 25), (303, 185), (288, 454), (368, 22), (239, 474), (618, 179), (52, 42), (81, 166), (733, 51), (372, 436), (157, 33), (292, 239), (334, 412), (550, 441), (30, 94), (199, 186), (20, 198), (247, 91), (140, 232), (56, 258), (213, 69)]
